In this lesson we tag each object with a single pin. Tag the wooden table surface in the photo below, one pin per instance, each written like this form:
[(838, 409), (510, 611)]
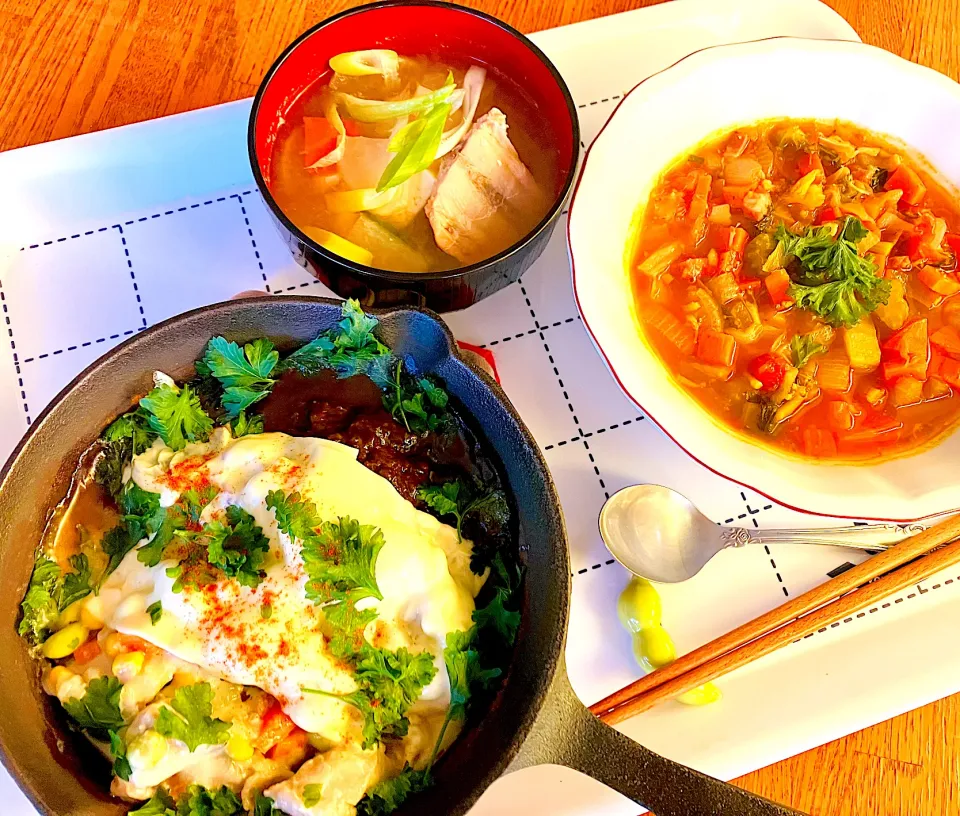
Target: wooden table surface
[(73, 66)]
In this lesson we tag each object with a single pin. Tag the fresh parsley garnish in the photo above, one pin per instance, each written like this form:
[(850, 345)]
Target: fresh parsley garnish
[(143, 517), (99, 708), (835, 281), (351, 348), (386, 796), (457, 499), (160, 804), (121, 765), (245, 425), (198, 801), (498, 616), (264, 807), (175, 414), (388, 684), (803, 347), (237, 547), (127, 436), (418, 404), (312, 794), (50, 592), (244, 372), (155, 611), (188, 719)]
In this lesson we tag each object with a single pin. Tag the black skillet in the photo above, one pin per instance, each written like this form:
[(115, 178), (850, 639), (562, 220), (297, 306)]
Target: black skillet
[(537, 719)]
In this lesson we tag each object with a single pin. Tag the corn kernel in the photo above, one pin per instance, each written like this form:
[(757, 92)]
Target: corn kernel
[(69, 615), (91, 614), (65, 642), (127, 666), (55, 678), (112, 644), (239, 749), (147, 749)]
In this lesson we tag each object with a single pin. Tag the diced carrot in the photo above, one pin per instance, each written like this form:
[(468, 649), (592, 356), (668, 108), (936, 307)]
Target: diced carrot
[(319, 138), (671, 328), (291, 749), (819, 443), (950, 371), (947, 339), (952, 240), (275, 726), (734, 196), (825, 214), (939, 281), (903, 178), (736, 239), (87, 652), (840, 415), (777, 284), (907, 352), (752, 285), (809, 162), (906, 391), (877, 430), (716, 348)]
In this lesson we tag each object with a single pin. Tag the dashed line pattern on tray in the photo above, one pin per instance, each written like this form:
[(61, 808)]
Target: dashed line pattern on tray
[(253, 241)]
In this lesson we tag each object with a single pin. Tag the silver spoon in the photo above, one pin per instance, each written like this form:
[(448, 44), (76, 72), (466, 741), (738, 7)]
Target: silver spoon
[(660, 535)]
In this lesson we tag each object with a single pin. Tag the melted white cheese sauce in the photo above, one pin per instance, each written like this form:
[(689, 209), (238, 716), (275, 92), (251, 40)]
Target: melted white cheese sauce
[(422, 571)]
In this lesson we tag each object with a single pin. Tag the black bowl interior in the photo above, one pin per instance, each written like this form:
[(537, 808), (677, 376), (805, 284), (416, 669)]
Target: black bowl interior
[(58, 770)]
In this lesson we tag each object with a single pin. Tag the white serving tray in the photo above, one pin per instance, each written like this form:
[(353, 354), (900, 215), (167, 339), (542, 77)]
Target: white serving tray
[(108, 233)]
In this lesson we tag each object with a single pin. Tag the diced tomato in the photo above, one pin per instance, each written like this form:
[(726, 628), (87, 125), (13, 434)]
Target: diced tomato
[(716, 348), (778, 283), (734, 196), (907, 352), (319, 138), (752, 285), (903, 178), (952, 240), (808, 162), (819, 443), (947, 339), (87, 652), (826, 214), (768, 370)]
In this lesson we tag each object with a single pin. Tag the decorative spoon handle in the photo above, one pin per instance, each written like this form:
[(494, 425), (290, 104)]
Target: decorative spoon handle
[(861, 537)]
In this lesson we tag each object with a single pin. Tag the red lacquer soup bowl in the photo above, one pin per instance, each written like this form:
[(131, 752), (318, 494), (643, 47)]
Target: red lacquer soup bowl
[(444, 32)]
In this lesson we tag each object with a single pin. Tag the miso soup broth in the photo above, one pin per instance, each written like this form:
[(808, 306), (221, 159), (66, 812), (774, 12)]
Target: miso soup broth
[(412, 165)]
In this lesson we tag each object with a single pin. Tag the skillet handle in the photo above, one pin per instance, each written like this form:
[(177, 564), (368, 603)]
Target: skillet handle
[(566, 733)]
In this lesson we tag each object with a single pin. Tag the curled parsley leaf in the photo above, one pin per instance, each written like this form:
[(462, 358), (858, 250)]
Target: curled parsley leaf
[(50, 592), (459, 500), (176, 415), (99, 708), (188, 719), (835, 282), (244, 372), (237, 547), (121, 765), (803, 347), (418, 404), (386, 796), (499, 616)]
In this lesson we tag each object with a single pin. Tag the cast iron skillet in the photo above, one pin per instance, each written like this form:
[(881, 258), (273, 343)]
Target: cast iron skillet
[(537, 719)]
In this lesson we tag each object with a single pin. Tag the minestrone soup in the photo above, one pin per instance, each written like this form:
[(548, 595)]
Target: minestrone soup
[(799, 280), (412, 165)]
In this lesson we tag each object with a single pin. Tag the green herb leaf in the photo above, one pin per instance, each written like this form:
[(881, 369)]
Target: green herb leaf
[(312, 794), (76, 584), (40, 608), (99, 708), (247, 426), (176, 415), (244, 373), (296, 517), (497, 616), (416, 146), (121, 765), (418, 405), (155, 611), (264, 807), (386, 796), (128, 436), (160, 804), (238, 548), (458, 500), (803, 347), (835, 282), (194, 726), (198, 801), (341, 561)]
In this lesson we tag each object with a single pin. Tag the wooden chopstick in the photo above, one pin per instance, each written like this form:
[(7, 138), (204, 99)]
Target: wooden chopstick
[(907, 563)]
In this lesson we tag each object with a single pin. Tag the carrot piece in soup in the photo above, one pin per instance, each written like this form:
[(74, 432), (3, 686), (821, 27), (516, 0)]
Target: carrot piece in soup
[(906, 391), (319, 138), (938, 281), (672, 329), (716, 348), (905, 179), (819, 443), (907, 352), (947, 339), (777, 284), (950, 371)]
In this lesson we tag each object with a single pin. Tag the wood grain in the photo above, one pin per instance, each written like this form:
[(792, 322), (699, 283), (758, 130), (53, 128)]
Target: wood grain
[(74, 66)]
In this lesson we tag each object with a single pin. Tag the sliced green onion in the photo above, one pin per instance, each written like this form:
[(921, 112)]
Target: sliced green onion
[(416, 145), (372, 110)]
